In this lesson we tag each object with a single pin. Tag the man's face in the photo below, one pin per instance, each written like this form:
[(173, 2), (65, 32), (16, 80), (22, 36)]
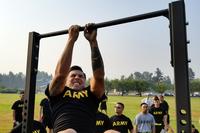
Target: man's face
[(76, 80), (161, 98), (22, 97), (119, 109), (156, 103), (144, 108)]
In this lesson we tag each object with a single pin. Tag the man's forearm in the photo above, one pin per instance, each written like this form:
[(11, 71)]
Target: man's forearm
[(97, 61)]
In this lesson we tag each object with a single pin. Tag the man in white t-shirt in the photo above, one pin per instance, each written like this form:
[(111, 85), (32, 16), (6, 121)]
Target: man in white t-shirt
[(144, 122)]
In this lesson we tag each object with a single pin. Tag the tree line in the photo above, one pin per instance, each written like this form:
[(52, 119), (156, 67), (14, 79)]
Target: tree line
[(138, 82), (12, 83)]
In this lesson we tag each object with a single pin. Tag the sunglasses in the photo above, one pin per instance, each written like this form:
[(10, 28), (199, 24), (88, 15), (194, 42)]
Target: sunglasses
[(117, 107)]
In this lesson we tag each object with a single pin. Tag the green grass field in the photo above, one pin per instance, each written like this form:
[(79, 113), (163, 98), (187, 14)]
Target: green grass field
[(131, 109)]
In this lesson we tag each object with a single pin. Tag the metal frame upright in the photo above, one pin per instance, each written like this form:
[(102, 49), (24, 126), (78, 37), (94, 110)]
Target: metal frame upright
[(179, 60), (180, 64)]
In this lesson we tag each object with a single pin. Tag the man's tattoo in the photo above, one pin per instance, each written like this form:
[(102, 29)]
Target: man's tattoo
[(97, 61)]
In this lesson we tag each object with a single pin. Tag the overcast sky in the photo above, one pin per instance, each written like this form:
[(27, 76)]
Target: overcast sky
[(137, 46)]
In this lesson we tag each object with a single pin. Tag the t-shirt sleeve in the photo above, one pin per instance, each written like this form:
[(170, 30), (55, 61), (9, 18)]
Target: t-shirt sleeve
[(153, 120), (164, 112), (135, 121), (130, 125), (50, 97), (14, 106), (42, 102)]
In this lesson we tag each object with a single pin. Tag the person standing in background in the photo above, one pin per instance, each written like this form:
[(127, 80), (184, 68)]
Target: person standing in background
[(159, 114), (46, 114), (17, 108), (120, 122), (144, 122)]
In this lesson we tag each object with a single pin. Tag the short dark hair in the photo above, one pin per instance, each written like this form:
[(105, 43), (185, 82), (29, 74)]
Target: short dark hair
[(75, 67), (143, 104), (120, 104), (155, 98)]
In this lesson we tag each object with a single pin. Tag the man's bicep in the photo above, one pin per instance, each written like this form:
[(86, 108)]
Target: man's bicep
[(57, 85), (97, 87)]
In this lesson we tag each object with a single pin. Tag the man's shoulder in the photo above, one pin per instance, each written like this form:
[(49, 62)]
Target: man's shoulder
[(139, 114), (18, 102), (165, 102), (113, 116), (102, 115), (125, 117), (150, 115), (44, 100)]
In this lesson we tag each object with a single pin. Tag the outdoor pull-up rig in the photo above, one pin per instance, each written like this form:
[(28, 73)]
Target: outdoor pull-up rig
[(179, 60)]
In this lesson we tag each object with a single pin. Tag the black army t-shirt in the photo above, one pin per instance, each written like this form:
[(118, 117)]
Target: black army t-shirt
[(102, 122), (121, 123), (74, 109), (18, 107), (47, 113), (46, 107), (158, 114)]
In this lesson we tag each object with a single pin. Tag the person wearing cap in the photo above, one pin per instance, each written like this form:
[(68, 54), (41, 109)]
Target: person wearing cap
[(144, 122), (17, 108), (74, 105), (159, 114), (120, 122)]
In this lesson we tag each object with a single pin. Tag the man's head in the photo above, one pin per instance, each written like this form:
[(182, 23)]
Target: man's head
[(21, 94), (161, 98), (156, 101), (76, 78), (119, 107), (144, 107)]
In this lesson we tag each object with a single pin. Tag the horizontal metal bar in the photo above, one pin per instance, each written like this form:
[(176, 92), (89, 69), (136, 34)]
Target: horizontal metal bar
[(113, 22)]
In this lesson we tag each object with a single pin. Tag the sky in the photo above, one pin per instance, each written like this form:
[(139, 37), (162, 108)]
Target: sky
[(126, 48)]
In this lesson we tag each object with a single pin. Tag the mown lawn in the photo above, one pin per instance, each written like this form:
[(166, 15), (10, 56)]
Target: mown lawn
[(131, 108)]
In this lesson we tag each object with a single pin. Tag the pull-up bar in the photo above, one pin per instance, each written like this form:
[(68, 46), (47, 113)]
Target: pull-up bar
[(114, 22), (178, 42)]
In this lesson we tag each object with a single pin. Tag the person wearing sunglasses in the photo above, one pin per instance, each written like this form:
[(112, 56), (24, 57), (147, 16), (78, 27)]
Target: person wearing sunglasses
[(120, 122)]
